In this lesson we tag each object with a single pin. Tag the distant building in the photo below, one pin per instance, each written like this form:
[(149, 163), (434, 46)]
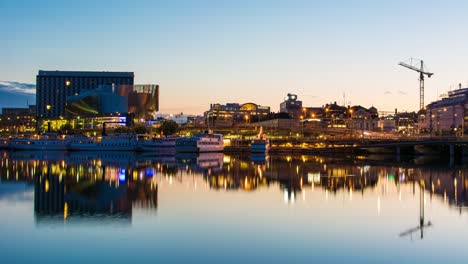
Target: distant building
[(180, 118), (448, 115), (18, 120), (232, 113), (292, 106), (359, 117), (54, 87), (406, 121), (387, 124)]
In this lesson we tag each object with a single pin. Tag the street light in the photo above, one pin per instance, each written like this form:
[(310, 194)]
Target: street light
[(302, 125)]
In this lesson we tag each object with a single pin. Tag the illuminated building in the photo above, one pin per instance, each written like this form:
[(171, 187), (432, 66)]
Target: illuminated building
[(292, 106), (140, 100), (446, 116), (233, 113), (18, 120), (54, 87), (361, 118)]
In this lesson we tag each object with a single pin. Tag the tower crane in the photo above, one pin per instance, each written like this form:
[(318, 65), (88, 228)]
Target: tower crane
[(418, 66)]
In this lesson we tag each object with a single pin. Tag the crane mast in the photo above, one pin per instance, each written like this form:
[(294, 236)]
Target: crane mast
[(421, 72)]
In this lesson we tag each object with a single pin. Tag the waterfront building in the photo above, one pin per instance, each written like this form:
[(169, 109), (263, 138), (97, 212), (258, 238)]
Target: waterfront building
[(358, 117), (292, 106), (406, 122), (180, 118), (18, 120), (142, 101), (387, 124), (54, 87), (312, 112), (233, 113), (448, 115)]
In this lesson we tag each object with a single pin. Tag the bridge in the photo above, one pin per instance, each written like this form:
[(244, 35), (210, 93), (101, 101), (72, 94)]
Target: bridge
[(445, 147)]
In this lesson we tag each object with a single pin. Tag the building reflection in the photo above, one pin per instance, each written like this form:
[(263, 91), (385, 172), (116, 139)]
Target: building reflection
[(84, 192), (113, 184)]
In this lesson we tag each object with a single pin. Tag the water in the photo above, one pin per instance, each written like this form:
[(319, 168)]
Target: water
[(120, 207)]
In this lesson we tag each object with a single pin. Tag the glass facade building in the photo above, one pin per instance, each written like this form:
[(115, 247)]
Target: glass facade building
[(140, 100), (54, 87)]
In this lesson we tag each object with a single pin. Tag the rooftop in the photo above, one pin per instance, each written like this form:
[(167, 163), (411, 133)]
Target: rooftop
[(85, 74)]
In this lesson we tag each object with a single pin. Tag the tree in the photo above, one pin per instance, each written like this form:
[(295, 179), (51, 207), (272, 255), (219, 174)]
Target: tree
[(140, 129), (66, 128), (168, 127), (122, 129)]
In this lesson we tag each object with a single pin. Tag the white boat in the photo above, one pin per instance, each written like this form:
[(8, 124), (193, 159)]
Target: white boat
[(200, 143), (165, 145), (114, 142), (43, 142), (197, 161), (259, 146)]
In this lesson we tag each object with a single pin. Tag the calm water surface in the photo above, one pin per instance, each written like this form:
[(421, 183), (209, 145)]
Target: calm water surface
[(120, 207)]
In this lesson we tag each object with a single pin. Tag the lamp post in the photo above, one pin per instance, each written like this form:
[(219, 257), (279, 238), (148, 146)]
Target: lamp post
[(302, 125)]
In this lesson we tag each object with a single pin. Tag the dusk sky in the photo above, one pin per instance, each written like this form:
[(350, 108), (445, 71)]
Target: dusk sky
[(203, 52)]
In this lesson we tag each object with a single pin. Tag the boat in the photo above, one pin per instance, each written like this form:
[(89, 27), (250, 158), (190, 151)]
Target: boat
[(200, 161), (47, 141), (200, 143), (114, 142), (165, 145), (259, 146)]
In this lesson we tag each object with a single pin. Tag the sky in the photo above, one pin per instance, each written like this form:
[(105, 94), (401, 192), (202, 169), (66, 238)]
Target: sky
[(209, 51)]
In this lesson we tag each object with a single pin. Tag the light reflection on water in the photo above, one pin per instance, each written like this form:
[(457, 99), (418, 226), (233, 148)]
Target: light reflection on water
[(124, 206)]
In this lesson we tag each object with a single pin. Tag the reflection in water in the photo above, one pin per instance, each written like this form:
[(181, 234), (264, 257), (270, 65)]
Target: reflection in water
[(422, 224), (67, 191), (72, 187)]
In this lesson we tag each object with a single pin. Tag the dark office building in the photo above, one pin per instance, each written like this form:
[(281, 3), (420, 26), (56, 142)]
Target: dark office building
[(53, 88)]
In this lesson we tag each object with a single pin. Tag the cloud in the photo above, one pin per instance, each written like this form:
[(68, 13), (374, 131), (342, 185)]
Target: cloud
[(402, 92), (388, 92), (16, 87)]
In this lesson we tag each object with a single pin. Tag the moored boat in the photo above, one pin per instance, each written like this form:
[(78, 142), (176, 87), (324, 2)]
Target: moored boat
[(200, 143), (43, 142), (165, 145), (114, 142)]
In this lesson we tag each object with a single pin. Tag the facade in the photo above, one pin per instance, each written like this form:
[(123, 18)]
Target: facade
[(140, 100), (54, 87), (446, 116), (387, 124), (18, 120), (292, 106), (143, 99), (406, 121), (361, 118), (101, 101), (233, 113)]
